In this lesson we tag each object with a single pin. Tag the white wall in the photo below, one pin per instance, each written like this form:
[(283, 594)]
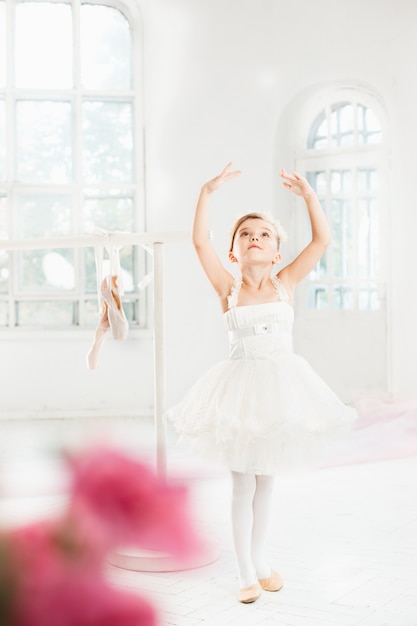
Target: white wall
[(218, 76)]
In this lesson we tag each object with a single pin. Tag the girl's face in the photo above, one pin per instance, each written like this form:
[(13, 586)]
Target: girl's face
[(255, 241)]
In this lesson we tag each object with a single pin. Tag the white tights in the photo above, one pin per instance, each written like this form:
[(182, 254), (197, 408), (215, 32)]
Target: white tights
[(251, 505)]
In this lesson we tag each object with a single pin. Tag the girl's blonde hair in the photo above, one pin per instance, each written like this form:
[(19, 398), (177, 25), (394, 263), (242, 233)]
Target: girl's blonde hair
[(280, 233)]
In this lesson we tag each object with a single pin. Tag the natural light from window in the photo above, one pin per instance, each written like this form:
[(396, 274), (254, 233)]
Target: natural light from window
[(69, 156), (348, 275)]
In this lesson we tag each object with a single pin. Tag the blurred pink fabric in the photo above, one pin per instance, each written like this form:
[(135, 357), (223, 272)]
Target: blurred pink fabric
[(384, 430)]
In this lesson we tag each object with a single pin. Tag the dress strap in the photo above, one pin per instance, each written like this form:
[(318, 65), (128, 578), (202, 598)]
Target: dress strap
[(237, 283), (279, 288), (234, 294)]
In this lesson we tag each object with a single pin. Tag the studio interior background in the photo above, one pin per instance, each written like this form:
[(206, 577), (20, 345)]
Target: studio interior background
[(113, 114)]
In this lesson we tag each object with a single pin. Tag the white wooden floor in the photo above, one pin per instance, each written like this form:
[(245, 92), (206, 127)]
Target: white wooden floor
[(344, 538)]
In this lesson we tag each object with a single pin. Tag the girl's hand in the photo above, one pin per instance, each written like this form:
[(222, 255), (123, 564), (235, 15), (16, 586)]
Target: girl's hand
[(296, 183), (224, 176)]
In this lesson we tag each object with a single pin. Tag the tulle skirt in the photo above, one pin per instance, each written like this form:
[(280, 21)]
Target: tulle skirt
[(261, 416)]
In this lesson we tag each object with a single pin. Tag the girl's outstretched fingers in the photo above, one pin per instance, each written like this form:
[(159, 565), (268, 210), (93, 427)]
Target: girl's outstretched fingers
[(295, 183), (287, 178), (227, 174), (224, 176)]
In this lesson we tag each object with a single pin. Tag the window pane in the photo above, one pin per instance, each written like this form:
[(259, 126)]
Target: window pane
[(45, 313), (346, 118), (375, 237), (4, 271), (320, 143), (369, 128), (2, 140), (318, 297), (4, 230), (127, 271), (318, 137), (131, 310), (108, 154), (353, 210), (343, 298), (4, 257), (61, 138), (341, 181), (320, 270), (318, 181), (4, 316), (368, 299), (367, 179), (43, 53), (342, 228), (46, 269), (368, 237), (110, 213), (105, 48), (91, 312), (44, 152), (341, 123), (2, 43), (44, 216)]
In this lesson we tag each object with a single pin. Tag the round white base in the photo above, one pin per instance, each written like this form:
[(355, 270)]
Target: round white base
[(147, 561)]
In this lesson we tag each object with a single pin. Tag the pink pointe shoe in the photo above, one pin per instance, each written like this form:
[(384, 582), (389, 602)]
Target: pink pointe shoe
[(274, 582), (99, 337), (118, 322)]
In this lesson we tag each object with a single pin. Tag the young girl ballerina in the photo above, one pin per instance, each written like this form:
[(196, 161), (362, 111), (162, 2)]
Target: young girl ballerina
[(264, 408)]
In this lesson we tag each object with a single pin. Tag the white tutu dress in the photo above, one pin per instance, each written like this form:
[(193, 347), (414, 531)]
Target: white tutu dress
[(264, 409)]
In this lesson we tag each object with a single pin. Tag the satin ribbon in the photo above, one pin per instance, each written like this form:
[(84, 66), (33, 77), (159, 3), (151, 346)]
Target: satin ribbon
[(105, 240)]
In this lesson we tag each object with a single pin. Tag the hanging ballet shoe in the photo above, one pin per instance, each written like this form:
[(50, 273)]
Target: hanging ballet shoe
[(117, 319), (274, 582), (99, 337), (250, 594)]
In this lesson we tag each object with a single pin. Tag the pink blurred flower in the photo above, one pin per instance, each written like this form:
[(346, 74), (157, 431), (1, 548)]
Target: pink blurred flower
[(132, 504), (8, 581), (55, 582), (51, 572)]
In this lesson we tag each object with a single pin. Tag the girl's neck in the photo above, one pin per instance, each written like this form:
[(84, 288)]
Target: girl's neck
[(256, 278)]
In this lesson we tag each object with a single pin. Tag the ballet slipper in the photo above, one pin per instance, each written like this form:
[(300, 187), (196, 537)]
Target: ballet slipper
[(99, 337), (250, 594), (118, 322), (274, 582)]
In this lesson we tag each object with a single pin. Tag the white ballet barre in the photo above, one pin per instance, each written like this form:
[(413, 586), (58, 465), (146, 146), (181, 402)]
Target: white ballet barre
[(85, 241), (119, 239), (129, 558)]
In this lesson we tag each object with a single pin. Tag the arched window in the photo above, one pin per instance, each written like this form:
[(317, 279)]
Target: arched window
[(70, 154), (343, 164)]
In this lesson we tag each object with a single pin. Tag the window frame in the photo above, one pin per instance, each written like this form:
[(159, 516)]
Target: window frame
[(345, 157), (75, 189)]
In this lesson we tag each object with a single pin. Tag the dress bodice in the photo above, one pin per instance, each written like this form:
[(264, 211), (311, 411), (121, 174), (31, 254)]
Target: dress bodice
[(260, 330), (263, 410)]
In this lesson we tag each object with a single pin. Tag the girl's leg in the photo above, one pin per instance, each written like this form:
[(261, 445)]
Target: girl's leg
[(261, 514), (243, 486)]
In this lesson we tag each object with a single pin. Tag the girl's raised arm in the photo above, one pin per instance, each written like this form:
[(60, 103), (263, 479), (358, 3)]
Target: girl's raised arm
[(295, 271), (219, 277)]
